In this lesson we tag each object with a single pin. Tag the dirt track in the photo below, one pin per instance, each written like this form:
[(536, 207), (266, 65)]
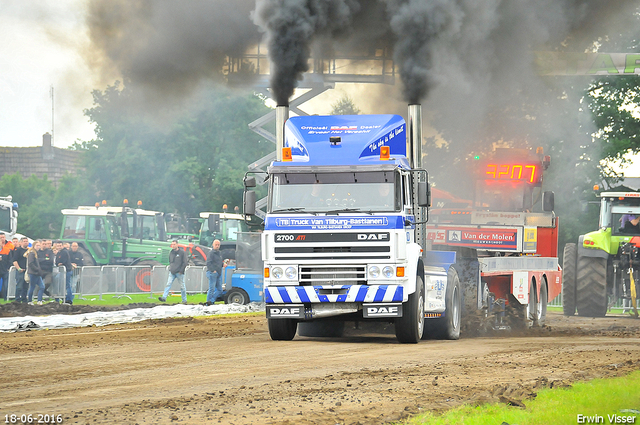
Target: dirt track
[(228, 370)]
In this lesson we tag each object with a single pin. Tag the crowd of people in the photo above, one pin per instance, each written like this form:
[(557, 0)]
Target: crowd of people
[(34, 267)]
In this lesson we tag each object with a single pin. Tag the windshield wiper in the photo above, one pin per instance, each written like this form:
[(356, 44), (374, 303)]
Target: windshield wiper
[(288, 209), (343, 210), (294, 209)]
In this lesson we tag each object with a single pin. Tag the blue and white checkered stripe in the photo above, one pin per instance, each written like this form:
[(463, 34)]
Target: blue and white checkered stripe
[(355, 293)]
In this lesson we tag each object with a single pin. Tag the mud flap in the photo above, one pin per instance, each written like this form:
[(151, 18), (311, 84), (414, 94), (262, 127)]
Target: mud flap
[(370, 311)]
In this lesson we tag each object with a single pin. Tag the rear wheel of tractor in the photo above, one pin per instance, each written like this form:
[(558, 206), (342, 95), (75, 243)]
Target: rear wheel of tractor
[(410, 326), (541, 308), (282, 329), (448, 327), (570, 258), (87, 258), (228, 254), (321, 329), (142, 278), (236, 296), (591, 286)]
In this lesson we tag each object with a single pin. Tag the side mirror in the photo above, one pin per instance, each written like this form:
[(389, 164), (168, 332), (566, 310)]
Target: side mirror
[(548, 201), (249, 181), (214, 223), (424, 194), (249, 204)]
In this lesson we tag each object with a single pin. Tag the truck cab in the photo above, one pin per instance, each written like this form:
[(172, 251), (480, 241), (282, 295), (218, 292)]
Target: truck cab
[(8, 216), (342, 231)]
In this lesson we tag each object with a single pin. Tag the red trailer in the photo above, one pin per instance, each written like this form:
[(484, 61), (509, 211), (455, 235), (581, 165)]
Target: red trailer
[(505, 239)]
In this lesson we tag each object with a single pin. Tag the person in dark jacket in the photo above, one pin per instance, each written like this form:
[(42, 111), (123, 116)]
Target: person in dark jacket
[(177, 265), (214, 273), (76, 262), (64, 259), (20, 264), (45, 258), (35, 272)]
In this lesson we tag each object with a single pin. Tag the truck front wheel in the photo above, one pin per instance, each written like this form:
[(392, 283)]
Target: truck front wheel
[(410, 326), (448, 327), (569, 259), (282, 329), (591, 286)]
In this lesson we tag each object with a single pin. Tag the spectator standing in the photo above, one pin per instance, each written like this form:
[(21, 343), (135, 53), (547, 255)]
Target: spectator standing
[(76, 263), (35, 272), (64, 259), (6, 254), (177, 265), (20, 263), (46, 258), (214, 273)]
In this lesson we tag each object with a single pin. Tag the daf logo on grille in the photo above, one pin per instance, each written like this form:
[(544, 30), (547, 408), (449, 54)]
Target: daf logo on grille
[(372, 236)]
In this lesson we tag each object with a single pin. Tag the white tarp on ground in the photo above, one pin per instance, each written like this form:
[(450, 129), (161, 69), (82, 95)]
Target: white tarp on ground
[(102, 318)]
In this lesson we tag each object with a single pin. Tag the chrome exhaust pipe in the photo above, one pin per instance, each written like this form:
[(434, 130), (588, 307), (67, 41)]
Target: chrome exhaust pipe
[(414, 140), (282, 115)]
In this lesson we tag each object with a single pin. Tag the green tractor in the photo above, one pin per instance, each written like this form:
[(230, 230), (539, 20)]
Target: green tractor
[(602, 268), (105, 238)]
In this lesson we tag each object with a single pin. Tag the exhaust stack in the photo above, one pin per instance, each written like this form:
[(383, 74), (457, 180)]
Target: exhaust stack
[(414, 148), (282, 115)]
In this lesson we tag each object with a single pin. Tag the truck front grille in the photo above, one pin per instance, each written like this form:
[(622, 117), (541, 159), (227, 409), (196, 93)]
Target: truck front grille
[(338, 275), (296, 253)]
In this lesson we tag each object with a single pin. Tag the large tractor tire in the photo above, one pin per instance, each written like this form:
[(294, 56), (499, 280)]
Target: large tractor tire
[(282, 329), (591, 279), (448, 327), (569, 264), (410, 326)]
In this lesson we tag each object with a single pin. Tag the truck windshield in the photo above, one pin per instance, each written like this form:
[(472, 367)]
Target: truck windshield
[(365, 191), (503, 195), (5, 219)]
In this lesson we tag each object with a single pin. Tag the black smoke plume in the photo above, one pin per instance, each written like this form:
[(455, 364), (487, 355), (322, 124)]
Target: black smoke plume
[(291, 27)]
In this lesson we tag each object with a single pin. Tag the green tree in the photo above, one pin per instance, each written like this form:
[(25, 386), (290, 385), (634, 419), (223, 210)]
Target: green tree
[(194, 164), (40, 203), (345, 106)]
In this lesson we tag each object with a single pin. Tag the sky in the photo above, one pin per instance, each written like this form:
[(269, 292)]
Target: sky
[(44, 45), (40, 43)]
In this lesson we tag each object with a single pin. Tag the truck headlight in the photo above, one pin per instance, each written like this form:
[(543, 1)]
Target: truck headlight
[(277, 272), (387, 271), (291, 273), (374, 272)]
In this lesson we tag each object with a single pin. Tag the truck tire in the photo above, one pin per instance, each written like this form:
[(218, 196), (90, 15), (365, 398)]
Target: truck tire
[(236, 296), (591, 279), (448, 327), (410, 326), (541, 307), (321, 329), (569, 260), (531, 309), (282, 329)]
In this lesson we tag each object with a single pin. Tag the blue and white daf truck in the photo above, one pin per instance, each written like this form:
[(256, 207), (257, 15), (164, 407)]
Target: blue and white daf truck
[(344, 232)]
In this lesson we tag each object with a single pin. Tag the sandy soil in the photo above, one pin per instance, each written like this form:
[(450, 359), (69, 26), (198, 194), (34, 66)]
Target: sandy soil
[(227, 370)]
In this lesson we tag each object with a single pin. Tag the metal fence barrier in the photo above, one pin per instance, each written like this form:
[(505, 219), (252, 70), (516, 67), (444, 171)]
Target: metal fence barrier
[(121, 281), (96, 281)]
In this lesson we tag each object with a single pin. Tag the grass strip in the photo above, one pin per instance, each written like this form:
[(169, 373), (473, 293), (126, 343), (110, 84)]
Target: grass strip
[(605, 401)]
